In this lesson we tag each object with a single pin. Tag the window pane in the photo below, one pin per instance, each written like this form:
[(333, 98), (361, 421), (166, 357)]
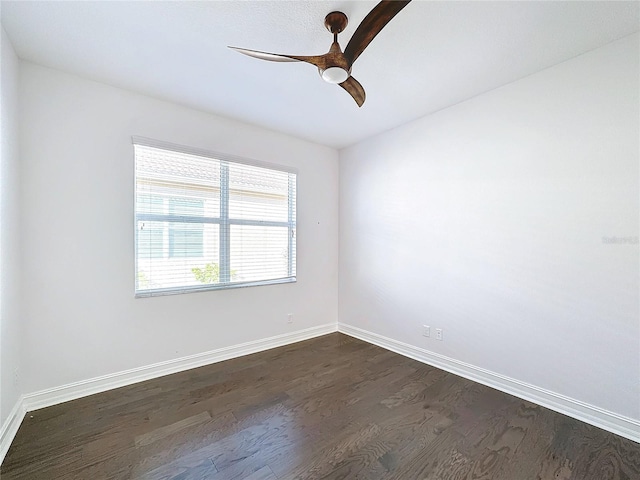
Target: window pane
[(248, 206), (258, 193), (165, 174), (150, 239), (148, 203), (259, 253), (186, 206), (163, 270), (186, 240)]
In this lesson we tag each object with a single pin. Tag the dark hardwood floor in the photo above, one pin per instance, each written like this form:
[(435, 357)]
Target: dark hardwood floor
[(332, 407)]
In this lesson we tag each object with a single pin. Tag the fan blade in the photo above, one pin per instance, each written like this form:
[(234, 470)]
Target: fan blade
[(371, 26), (276, 57), (354, 88)]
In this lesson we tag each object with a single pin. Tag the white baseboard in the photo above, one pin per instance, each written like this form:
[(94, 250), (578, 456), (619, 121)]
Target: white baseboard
[(83, 388), (72, 391), (599, 417), (10, 427)]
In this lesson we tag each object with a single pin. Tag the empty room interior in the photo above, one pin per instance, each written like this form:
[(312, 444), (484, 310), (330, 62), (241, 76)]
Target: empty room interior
[(259, 240)]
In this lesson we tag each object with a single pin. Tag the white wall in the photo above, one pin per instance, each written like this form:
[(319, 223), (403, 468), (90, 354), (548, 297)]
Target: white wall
[(487, 219), (9, 232), (81, 317)]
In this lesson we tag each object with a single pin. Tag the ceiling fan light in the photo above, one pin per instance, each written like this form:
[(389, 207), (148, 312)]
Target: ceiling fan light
[(335, 75)]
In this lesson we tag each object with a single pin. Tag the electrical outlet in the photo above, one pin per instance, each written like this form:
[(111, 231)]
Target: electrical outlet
[(290, 318), (426, 331), (439, 334)]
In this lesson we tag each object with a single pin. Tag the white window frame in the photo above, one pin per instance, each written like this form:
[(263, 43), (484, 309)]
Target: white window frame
[(224, 221)]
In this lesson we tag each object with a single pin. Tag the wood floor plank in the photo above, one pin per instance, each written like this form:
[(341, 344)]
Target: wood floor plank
[(179, 445), (158, 433), (262, 474), (328, 408)]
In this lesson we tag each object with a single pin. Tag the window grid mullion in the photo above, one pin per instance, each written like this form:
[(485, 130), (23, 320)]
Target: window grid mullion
[(156, 217), (225, 228), (258, 223)]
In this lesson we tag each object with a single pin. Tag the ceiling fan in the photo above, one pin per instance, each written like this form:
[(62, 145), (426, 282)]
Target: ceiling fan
[(335, 65)]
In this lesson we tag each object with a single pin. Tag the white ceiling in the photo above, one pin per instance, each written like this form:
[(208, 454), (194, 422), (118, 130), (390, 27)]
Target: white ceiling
[(432, 55)]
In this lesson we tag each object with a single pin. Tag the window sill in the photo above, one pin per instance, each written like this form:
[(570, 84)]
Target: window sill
[(179, 291)]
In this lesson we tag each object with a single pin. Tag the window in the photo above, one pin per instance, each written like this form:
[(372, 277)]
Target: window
[(206, 221)]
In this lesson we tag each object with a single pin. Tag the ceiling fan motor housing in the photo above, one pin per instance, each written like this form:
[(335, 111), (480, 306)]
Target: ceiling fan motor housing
[(336, 68)]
